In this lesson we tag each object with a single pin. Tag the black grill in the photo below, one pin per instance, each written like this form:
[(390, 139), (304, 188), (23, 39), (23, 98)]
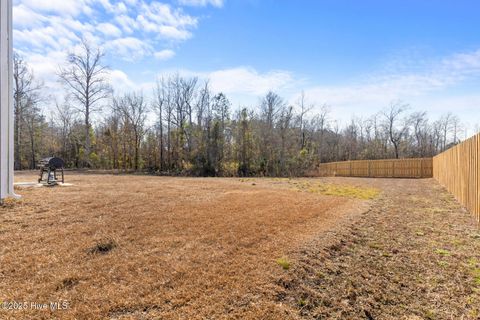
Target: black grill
[(48, 170)]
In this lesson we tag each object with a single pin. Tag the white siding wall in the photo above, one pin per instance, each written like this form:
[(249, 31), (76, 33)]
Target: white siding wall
[(6, 106)]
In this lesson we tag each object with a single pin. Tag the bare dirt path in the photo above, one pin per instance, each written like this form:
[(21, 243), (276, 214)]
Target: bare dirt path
[(414, 255)]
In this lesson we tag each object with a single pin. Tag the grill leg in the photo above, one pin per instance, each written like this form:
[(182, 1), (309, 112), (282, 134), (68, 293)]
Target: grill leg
[(42, 171)]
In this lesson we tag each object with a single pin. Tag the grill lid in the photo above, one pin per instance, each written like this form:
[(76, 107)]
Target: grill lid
[(52, 163)]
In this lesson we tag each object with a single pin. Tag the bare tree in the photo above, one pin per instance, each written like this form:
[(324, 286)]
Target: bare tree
[(244, 142), (221, 110), (85, 78), (161, 100), (34, 121), (285, 117), (133, 111), (445, 127), (447, 130), (64, 119), (319, 124), (304, 109), (271, 106), (350, 135), (457, 128), (393, 126), (26, 95), (419, 123)]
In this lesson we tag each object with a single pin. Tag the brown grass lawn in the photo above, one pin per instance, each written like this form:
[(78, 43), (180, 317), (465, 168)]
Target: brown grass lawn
[(142, 247)]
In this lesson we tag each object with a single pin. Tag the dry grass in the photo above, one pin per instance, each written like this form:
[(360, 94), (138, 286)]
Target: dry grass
[(414, 255), (134, 247), (139, 247)]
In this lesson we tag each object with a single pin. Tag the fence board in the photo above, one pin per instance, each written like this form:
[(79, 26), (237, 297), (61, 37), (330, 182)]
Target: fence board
[(458, 170), (391, 168)]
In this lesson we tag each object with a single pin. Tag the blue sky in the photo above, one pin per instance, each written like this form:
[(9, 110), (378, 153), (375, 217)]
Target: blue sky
[(355, 56)]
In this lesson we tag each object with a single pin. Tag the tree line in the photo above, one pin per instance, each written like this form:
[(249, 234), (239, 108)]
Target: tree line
[(184, 128)]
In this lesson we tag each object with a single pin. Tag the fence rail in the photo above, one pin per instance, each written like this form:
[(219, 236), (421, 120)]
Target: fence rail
[(458, 170), (392, 168)]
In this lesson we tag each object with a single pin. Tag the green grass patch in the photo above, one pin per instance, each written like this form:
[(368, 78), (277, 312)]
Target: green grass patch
[(341, 190), (284, 263), (472, 262), (474, 266), (476, 276), (430, 314), (302, 303), (435, 210), (442, 252), (443, 264), (375, 245)]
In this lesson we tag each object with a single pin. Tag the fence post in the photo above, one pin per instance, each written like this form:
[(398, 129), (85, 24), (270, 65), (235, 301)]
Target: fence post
[(393, 168), (369, 169)]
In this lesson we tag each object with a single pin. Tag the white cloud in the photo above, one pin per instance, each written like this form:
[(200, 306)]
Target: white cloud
[(120, 81), (45, 25), (247, 80), (243, 85), (202, 3), (25, 17), (45, 68), (127, 23), (129, 48), (61, 7), (109, 30), (463, 64), (166, 22), (164, 54), (129, 29)]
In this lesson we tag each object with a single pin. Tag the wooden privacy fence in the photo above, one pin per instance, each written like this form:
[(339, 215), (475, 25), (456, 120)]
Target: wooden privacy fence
[(392, 168), (458, 170)]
